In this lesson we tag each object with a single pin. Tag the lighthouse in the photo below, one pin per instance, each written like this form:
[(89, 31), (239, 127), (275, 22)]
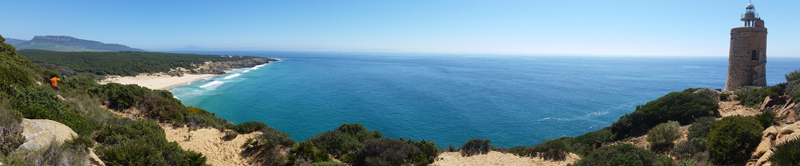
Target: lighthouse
[(747, 57)]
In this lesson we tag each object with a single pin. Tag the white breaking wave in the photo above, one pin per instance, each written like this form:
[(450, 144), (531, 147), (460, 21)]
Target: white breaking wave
[(245, 71), (212, 85), (233, 76), (256, 67)]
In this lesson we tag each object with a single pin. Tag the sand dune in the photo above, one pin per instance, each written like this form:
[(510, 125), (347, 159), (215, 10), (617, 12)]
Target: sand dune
[(498, 158), (209, 142)]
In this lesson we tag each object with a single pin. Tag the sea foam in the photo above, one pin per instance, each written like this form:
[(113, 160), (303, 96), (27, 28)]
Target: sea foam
[(212, 85), (233, 76)]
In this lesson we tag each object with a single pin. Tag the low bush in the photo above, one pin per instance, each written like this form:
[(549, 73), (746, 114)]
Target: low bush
[(555, 149), (684, 150), (793, 76), (305, 152), (476, 146), (10, 142), (230, 135), (42, 103), (336, 143), (388, 151), (752, 96), (733, 138), (661, 136), (327, 163), (724, 97), (47, 74), (623, 155), (766, 118), (249, 127), (141, 142), (786, 153), (56, 154), (676, 106), (359, 131), (698, 132), (268, 148), (79, 82), (428, 150)]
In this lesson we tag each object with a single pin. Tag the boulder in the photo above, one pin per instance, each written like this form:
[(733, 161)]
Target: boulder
[(762, 148), (41, 132), (770, 132)]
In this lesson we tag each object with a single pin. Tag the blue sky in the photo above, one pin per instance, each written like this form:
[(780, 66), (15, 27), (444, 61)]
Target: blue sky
[(573, 27)]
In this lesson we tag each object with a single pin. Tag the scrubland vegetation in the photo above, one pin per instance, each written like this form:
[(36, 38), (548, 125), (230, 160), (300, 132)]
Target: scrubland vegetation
[(120, 63), (123, 141)]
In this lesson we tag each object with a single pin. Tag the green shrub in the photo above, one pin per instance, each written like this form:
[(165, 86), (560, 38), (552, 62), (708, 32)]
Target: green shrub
[(10, 142), (388, 151), (141, 142), (47, 74), (42, 103), (724, 97), (428, 150), (753, 96), (733, 139), (327, 163), (335, 143), (268, 148), (786, 153), (359, 131), (305, 151), (120, 96), (676, 106), (555, 149), (623, 155), (230, 135), (249, 127), (80, 82), (698, 132), (793, 76), (661, 136), (56, 154), (476, 146), (684, 150), (15, 69), (766, 118)]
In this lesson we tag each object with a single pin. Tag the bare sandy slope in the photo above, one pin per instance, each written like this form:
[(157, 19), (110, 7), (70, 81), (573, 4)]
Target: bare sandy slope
[(209, 142), (498, 158), (156, 81), (731, 108)]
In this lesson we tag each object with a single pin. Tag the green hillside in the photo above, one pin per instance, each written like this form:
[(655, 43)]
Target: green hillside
[(125, 63)]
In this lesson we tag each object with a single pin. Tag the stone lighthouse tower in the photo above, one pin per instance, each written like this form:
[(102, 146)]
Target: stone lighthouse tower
[(748, 53)]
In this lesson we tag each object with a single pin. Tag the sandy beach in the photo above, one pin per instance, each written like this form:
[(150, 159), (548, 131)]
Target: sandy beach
[(156, 81)]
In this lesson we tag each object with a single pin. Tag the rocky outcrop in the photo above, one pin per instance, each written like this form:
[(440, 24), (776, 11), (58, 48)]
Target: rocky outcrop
[(40, 133), (771, 137)]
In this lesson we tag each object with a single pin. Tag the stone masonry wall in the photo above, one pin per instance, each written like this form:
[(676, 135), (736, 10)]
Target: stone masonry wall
[(742, 70)]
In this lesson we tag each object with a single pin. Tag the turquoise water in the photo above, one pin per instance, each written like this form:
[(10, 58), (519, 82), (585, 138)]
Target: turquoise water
[(512, 100)]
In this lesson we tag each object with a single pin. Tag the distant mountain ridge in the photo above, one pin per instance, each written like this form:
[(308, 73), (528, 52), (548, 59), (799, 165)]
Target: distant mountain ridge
[(14, 41), (68, 43)]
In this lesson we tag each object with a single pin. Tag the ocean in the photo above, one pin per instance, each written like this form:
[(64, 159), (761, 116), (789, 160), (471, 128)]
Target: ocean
[(450, 99)]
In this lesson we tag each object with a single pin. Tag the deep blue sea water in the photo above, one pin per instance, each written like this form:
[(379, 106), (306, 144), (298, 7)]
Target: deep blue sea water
[(450, 99)]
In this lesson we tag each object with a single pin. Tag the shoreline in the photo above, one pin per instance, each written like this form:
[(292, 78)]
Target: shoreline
[(162, 81), (156, 81)]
